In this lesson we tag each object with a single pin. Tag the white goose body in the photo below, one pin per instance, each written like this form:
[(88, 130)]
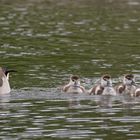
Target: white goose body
[(4, 81), (5, 86)]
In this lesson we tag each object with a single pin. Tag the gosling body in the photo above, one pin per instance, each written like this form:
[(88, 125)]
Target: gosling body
[(104, 87), (73, 86), (127, 86)]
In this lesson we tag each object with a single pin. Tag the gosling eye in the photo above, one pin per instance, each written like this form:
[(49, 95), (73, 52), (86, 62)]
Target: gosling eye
[(129, 78), (105, 79)]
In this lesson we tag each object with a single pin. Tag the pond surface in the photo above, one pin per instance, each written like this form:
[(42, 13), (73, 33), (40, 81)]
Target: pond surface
[(50, 114), (48, 40)]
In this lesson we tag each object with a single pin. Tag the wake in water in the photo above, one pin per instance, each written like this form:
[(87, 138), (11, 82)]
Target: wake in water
[(54, 94)]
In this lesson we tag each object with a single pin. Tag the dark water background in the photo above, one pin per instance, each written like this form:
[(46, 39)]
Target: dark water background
[(46, 41)]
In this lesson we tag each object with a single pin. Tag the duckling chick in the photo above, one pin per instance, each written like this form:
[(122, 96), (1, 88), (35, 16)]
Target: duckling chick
[(4, 80), (128, 85), (74, 85), (104, 87)]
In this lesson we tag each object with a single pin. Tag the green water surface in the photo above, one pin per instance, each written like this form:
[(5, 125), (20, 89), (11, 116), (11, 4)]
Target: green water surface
[(48, 40)]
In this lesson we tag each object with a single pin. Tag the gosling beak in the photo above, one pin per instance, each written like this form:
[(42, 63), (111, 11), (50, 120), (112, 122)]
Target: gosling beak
[(75, 83), (109, 83), (133, 83)]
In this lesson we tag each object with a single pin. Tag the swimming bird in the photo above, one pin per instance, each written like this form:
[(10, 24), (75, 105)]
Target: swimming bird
[(127, 86), (104, 87), (4, 80), (74, 85)]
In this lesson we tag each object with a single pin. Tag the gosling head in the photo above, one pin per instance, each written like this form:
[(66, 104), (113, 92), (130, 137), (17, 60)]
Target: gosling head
[(129, 80), (75, 80), (106, 81)]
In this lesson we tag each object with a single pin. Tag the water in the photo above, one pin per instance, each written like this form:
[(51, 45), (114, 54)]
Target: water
[(46, 41), (43, 114)]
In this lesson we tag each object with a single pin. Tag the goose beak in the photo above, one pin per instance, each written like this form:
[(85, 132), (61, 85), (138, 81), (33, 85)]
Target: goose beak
[(8, 71)]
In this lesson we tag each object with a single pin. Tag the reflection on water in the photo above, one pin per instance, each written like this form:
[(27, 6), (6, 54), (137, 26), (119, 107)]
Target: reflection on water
[(36, 114)]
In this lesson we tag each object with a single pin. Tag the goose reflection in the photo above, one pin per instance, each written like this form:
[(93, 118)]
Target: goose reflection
[(74, 102), (105, 101), (4, 100)]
